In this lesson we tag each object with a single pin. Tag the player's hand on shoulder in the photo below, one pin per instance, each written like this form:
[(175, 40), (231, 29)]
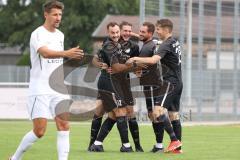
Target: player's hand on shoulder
[(75, 53), (134, 34)]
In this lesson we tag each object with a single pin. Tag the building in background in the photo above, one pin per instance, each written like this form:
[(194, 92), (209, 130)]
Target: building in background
[(9, 55)]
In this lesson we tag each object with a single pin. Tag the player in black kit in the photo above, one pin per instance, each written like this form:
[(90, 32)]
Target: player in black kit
[(111, 94), (129, 49), (147, 76), (170, 56)]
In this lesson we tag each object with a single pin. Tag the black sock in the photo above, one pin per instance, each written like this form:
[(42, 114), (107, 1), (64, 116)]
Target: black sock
[(177, 127), (105, 129), (158, 129), (123, 128), (148, 102), (168, 126), (96, 124), (133, 126)]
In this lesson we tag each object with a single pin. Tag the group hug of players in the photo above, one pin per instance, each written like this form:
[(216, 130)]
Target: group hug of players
[(158, 66)]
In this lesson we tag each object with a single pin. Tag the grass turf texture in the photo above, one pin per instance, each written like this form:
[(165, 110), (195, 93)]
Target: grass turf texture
[(199, 143)]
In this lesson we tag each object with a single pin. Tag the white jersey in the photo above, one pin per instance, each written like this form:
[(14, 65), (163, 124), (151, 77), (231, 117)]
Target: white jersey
[(42, 68)]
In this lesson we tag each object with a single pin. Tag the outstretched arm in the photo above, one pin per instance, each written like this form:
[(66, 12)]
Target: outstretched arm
[(75, 53), (117, 67), (145, 60)]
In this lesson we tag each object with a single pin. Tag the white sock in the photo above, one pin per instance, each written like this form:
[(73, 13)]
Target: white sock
[(127, 145), (159, 145), (63, 145), (98, 143), (26, 143)]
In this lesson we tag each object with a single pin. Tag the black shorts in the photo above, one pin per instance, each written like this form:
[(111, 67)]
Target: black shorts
[(107, 93), (150, 101), (127, 93), (171, 100), (122, 88)]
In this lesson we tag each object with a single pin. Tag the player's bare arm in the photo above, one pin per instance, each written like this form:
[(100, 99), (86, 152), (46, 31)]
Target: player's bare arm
[(134, 35), (117, 67), (73, 53), (98, 63), (144, 60)]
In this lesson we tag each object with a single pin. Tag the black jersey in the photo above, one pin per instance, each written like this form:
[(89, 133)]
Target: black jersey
[(112, 53), (106, 54), (170, 54), (129, 47), (151, 75), (147, 49)]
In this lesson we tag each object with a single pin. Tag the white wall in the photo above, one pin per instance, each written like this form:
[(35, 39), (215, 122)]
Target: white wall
[(13, 103)]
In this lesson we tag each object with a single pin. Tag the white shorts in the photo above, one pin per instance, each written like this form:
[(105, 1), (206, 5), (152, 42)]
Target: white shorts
[(47, 106)]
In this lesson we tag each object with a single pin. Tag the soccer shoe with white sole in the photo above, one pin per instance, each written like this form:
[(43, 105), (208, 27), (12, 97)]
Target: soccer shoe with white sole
[(155, 149), (126, 149), (96, 148)]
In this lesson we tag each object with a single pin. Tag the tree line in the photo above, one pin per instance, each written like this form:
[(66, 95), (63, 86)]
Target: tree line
[(80, 18)]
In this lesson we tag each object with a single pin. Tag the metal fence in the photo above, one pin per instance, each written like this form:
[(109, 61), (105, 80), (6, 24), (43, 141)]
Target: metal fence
[(13, 74), (209, 34)]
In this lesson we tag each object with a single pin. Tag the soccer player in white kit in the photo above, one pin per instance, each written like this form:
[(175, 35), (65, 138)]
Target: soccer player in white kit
[(47, 53)]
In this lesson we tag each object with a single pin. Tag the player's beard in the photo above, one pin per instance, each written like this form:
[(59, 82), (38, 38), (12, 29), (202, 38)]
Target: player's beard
[(115, 39), (144, 39)]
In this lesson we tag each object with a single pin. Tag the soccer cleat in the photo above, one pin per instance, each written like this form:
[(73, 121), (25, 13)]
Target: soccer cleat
[(155, 149), (173, 145), (126, 149), (177, 151), (139, 149), (89, 148), (96, 148)]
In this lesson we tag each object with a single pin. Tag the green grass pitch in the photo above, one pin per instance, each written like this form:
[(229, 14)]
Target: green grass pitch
[(199, 143)]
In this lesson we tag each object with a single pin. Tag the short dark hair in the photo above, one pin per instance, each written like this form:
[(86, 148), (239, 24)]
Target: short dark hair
[(165, 23), (112, 24), (150, 26), (125, 23), (50, 4)]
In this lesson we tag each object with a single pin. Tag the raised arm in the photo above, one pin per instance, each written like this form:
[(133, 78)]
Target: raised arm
[(75, 53)]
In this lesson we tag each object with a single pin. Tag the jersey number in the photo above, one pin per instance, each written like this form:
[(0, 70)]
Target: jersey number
[(178, 51)]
